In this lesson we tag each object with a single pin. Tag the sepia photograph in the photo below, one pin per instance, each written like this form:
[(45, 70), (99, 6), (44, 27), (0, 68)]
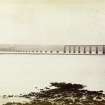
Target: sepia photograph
[(52, 52)]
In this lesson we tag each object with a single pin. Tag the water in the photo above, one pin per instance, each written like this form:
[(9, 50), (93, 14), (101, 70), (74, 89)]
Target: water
[(22, 73)]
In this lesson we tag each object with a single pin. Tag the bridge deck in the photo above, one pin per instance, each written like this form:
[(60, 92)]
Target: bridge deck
[(53, 49)]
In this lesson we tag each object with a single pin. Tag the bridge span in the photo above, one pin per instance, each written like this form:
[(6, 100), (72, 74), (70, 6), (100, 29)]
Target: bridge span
[(53, 49)]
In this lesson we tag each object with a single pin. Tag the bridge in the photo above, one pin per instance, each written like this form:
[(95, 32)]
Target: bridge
[(53, 49)]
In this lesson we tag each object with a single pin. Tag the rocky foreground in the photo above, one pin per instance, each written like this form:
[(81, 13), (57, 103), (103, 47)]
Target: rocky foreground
[(64, 94)]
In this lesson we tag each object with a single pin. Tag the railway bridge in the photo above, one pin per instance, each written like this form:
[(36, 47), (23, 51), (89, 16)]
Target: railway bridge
[(53, 49)]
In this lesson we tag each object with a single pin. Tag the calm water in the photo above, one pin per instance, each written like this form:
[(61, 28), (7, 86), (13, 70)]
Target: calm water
[(21, 73)]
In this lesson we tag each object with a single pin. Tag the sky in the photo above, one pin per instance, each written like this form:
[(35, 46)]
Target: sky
[(51, 22)]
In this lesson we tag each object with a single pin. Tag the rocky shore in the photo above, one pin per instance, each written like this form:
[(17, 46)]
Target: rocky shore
[(64, 94)]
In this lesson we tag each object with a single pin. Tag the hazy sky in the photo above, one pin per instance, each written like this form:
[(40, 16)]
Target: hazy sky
[(51, 22)]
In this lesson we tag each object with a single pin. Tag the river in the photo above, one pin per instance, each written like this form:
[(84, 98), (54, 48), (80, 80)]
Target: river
[(22, 73)]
